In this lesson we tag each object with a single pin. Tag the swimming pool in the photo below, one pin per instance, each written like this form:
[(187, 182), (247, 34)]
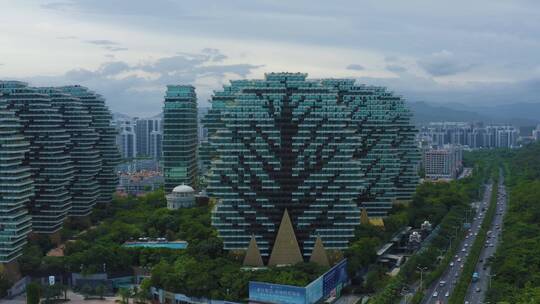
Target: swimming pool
[(169, 245)]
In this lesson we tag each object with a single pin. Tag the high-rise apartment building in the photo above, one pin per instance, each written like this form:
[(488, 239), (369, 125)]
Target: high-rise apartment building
[(143, 130), (126, 139), (50, 159), (179, 142), (156, 141), (319, 149), (472, 136), (48, 156), (84, 189), (444, 162), (16, 186), (536, 133), (106, 143)]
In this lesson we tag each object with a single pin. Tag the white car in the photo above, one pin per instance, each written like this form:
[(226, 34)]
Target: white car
[(451, 264), (435, 294), (459, 260), (463, 250)]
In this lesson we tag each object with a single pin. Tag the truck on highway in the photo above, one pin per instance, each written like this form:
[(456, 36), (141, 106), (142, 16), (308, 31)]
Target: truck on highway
[(475, 277)]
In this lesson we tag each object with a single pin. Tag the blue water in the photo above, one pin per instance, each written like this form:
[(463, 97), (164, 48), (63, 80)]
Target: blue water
[(170, 245)]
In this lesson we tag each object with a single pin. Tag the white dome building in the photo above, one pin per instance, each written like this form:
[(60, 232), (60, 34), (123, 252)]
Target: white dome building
[(182, 196)]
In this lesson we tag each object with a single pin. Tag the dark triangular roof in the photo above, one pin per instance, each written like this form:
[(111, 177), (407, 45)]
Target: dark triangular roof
[(253, 255), (286, 250), (318, 255)]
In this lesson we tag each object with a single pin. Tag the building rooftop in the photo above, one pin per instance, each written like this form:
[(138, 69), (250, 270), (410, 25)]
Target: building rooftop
[(183, 189)]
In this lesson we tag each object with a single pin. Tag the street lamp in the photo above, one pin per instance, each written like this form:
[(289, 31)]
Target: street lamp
[(449, 239), (456, 230), (490, 276), (421, 269)]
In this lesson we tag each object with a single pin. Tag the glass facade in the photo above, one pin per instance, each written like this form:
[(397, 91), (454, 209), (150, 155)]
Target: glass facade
[(16, 187), (179, 143), (86, 160), (322, 149), (48, 156), (106, 144)]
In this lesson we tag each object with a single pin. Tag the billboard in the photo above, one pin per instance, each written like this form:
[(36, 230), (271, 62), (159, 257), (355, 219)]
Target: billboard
[(328, 284), (276, 293), (314, 290), (337, 276)]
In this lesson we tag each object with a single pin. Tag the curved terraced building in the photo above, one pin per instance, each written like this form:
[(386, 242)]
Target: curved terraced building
[(106, 143), (319, 149), (85, 189), (16, 186), (48, 157)]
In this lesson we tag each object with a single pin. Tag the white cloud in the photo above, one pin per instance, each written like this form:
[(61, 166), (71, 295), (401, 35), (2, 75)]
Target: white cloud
[(423, 50), (138, 89), (443, 63)]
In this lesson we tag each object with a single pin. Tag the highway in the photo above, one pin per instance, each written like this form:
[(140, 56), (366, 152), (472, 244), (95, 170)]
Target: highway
[(440, 290), (477, 290)]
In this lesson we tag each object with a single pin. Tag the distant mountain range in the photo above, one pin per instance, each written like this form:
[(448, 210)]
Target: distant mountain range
[(518, 114)]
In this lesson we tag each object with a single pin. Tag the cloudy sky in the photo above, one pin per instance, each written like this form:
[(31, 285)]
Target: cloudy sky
[(471, 52)]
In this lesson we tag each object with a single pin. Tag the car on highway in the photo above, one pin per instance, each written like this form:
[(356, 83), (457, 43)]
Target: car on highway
[(435, 294), (451, 264), (459, 260), (447, 294), (442, 283), (478, 289), (463, 250)]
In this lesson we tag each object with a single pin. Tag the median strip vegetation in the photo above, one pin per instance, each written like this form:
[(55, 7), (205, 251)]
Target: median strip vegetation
[(460, 291)]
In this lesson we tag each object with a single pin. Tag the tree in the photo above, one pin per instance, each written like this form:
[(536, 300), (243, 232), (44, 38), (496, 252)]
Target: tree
[(32, 293), (125, 294), (361, 253), (87, 291), (100, 290), (144, 291)]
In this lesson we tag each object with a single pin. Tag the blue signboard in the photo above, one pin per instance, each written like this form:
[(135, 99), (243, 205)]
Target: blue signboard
[(334, 277), (330, 283), (276, 293), (314, 291)]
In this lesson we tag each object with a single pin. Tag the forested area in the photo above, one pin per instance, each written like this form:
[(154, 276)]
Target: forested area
[(203, 269), (517, 260)]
